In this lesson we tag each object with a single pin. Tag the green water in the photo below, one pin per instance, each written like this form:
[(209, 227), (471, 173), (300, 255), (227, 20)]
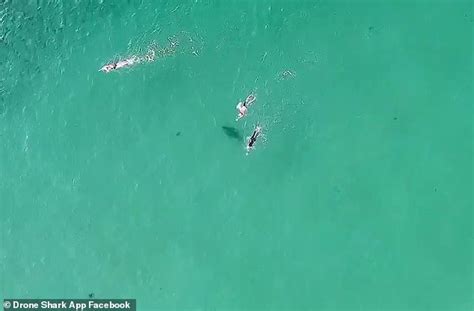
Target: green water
[(125, 185)]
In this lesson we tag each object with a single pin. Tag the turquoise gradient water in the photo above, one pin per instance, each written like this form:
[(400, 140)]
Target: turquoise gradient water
[(358, 197)]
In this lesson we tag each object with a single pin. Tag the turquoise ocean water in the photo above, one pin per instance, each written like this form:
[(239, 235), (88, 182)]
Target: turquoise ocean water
[(136, 183)]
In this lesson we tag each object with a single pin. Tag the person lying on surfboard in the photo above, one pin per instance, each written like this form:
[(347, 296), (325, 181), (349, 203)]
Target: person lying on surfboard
[(149, 57), (120, 64)]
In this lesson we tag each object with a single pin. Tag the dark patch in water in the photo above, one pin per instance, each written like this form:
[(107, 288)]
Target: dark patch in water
[(91, 295), (178, 133), (395, 118), (232, 132)]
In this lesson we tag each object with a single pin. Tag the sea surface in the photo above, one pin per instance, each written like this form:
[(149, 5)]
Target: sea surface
[(136, 183)]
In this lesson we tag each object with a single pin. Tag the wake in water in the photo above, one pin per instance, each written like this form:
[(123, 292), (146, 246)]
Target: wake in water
[(154, 51), (178, 43)]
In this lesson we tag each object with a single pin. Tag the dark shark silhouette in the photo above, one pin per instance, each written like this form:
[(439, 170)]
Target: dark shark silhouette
[(232, 132)]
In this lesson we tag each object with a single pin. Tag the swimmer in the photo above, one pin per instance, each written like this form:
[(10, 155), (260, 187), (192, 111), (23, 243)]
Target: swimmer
[(120, 64), (242, 107), (253, 138)]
